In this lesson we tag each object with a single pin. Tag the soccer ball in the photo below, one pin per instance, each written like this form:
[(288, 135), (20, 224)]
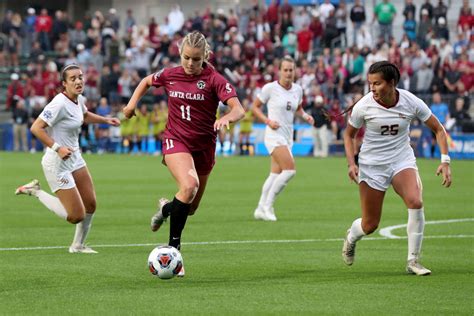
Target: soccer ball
[(165, 262)]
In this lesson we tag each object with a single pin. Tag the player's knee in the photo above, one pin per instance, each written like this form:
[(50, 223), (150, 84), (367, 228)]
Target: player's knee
[(369, 226), (189, 190), (91, 206), (414, 203), (75, 218)]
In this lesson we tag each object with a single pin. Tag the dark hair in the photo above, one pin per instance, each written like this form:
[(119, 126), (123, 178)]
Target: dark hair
[(388, 70), (67, 68)]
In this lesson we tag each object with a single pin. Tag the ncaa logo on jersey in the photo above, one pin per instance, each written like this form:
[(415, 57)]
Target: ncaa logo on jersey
[(201, 84), (47, 114)]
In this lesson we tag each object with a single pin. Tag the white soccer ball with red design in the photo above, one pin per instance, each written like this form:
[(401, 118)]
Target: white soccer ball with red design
[(165, 262)]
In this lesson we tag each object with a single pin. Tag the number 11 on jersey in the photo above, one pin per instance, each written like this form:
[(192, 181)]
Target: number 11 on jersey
[(185, 112)]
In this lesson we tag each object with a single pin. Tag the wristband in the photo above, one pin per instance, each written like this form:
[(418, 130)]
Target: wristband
[(445, 159), (55, 147)]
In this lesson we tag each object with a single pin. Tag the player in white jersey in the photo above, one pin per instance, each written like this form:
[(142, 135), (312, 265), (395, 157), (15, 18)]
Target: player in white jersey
[(58, 128), (386, 158), (283, 99)]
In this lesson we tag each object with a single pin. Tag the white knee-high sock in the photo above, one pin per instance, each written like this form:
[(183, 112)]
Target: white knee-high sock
[(82, 229), (266, 187), (356, 232), (52, 203), (278, 185), (415, 227)]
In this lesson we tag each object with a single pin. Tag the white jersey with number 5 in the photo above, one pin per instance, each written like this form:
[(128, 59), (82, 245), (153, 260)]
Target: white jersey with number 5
[(387, 134), (281, 105)]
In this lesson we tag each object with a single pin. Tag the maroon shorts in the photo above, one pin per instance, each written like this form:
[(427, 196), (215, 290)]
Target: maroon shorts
[(204, 160)]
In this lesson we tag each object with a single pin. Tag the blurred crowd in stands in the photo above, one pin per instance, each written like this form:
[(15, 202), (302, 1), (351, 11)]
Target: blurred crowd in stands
[(436, 63)]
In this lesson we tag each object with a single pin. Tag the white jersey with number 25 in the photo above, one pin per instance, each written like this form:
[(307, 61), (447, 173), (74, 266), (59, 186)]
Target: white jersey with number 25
[(387, 134)]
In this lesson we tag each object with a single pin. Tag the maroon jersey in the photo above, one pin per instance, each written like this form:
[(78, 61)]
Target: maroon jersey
[(192, 104)]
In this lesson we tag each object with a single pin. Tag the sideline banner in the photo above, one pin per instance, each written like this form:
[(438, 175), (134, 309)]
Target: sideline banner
[(462, 146)]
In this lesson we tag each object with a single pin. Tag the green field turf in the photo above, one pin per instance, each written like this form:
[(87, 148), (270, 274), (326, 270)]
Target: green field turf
[(234, 264)]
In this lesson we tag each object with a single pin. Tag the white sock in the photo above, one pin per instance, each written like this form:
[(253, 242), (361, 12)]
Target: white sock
[(52, 203), (356, 232), (266, 187), (278, 185), (82, 229), (415, 226)]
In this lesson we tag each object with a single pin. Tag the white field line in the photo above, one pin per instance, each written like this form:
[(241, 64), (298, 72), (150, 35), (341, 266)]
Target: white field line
[(387, 231), (230, 242)]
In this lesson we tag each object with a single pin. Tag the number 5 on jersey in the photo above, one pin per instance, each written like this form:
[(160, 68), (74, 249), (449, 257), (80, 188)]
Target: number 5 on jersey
[(185, 112)]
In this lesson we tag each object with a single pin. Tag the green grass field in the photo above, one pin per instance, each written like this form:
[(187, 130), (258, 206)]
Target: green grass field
[(234, 264)]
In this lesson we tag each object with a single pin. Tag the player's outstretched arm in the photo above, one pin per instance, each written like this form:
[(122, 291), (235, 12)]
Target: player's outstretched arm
[(349, 135), (442, 140), (139, 92), (236, 113)]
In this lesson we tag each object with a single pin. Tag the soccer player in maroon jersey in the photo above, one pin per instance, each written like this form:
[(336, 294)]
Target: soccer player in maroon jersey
[(194, 90)]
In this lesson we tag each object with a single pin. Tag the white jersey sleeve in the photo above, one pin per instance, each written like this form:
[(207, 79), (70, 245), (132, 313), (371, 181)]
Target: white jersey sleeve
[(265, 93), (52, 112), (357, 116), (422, 111)]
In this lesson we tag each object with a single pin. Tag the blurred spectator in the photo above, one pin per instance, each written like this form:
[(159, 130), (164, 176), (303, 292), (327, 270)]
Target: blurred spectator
[(341, 22), (325, 10), (358, 18), (20, 121), (460, 114), (320, 128), (77, 35), (337, 119), (44, 24), (409, 8), (129, 21), (35, 112), (441, 29), (30, 35), (15, 91), (441, 111), (176, 19), (385, 14), (60, 26), (289, 42), (424, 28), (428, 7), (409, 26), (305, 43), (440, 11), (114, 19), (103, 129), (423, 78)]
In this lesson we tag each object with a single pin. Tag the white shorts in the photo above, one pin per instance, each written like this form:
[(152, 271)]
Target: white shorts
[(58, 172), (276, 140), (380, 177)]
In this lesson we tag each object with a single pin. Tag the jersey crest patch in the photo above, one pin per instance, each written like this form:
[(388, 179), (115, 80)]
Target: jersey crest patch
[(201, 84), (47, 114)]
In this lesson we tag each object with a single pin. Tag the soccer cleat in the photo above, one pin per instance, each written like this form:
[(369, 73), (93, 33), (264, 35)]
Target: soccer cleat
[(81, 249), (270, 214), (348, 251), (181, 272), (29, 189), (158, 219), (414, 267), (259, 214)]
